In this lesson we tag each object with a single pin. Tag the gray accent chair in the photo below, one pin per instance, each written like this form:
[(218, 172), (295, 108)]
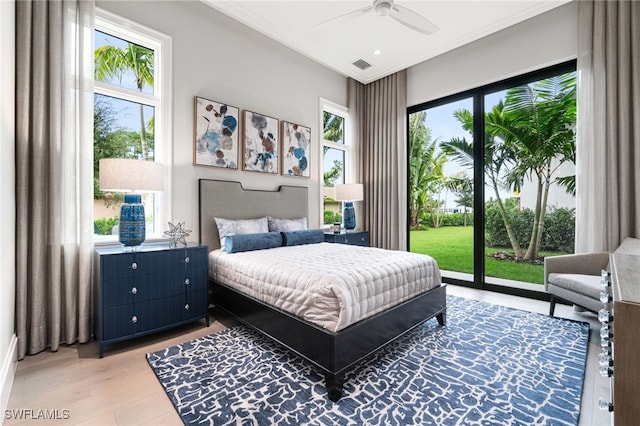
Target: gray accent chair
[(575, 278)]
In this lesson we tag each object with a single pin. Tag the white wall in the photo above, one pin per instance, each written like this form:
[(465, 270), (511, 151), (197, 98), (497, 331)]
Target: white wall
[(8, 340), (218, 58)]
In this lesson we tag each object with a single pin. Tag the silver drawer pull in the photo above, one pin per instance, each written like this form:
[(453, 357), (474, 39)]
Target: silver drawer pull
[(187, 281), (605, 371), (134, 290), (134, 265), (186, 259), (605, 297), (186, 307), (134, 319), (605, 316), (605, 405)]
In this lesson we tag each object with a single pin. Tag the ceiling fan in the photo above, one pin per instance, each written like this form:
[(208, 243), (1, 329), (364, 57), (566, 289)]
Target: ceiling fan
[(401, 14)]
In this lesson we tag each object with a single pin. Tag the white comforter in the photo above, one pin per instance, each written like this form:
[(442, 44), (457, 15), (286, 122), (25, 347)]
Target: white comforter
[(331, 285)]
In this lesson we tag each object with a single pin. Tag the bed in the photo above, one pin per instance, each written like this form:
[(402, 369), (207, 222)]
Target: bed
[(331, 349)]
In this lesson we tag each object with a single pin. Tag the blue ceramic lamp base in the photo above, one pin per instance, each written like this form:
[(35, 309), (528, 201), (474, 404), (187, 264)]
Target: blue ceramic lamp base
[(132, 221), (349, 216)]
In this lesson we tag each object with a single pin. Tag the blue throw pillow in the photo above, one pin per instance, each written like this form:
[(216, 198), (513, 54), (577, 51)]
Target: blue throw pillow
[(307, 236), (247, 242)]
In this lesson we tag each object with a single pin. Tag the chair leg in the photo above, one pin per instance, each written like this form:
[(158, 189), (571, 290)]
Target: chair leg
[(552, 306)]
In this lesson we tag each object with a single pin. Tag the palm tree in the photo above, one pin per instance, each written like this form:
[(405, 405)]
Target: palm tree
[(541, 133), (464, 190), (426, 169), (332, 131), (498, 159), (332, 126), (113, 62)]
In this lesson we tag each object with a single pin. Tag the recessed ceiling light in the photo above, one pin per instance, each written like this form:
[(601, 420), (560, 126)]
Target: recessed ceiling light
[(377, 52)]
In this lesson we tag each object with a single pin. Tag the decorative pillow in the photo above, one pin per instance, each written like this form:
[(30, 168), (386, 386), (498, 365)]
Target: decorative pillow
[(228, 227), (247, 242), (307, 236), (286, 225)]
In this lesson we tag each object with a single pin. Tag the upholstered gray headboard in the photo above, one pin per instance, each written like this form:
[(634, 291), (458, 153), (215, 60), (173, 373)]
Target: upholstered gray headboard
[(228, 199)]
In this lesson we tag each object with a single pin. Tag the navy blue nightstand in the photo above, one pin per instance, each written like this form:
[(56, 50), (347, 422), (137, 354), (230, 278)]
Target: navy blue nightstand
[(358, 238), (148, 290)]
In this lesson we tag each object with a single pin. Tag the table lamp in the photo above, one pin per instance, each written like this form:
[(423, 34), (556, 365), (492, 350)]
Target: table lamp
[(126, 175), (349, 192)]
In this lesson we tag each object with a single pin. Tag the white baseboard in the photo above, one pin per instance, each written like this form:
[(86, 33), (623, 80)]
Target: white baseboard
[(7, 373)]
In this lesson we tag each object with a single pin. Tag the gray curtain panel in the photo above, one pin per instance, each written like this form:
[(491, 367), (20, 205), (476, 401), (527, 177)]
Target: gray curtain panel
[(608, 143), (54, 173), (378, 115)]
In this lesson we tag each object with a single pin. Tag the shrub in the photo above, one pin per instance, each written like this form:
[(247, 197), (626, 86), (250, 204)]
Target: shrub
[(558, 233), (330, 217), (104, 225), (521, 222), (456, 219), (559, 230)]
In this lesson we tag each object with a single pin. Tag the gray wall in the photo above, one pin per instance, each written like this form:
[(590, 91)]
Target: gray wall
[(8, 340), (220, 59), (544, 40)]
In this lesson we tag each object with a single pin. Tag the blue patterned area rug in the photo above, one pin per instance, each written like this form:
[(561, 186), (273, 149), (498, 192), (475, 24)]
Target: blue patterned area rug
[(489, 365)]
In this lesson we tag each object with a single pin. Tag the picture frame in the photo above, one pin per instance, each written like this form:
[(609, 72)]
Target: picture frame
[(216, 129), (296, 150), (260, 143)]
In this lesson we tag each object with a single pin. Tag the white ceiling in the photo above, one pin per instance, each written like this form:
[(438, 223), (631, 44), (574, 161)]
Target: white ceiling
[(301, 25)]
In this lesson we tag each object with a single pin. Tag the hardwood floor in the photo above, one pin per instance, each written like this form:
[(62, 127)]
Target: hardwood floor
[(78, 388)]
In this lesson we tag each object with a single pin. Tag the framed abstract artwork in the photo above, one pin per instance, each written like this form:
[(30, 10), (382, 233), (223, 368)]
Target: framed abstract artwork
[(260, 143), (296, 150), (216, 134)]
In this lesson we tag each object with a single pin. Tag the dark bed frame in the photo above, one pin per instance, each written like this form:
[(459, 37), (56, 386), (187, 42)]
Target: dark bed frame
[(332, 353)]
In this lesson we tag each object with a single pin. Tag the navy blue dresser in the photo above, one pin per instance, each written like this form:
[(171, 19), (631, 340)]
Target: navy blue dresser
[(148, 290)]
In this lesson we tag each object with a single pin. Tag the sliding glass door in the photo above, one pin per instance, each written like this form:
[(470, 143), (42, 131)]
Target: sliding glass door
[(441, 168), (514, 142)]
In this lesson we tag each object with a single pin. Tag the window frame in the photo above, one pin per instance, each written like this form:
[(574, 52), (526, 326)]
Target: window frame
[(161, 100), (346, 147)]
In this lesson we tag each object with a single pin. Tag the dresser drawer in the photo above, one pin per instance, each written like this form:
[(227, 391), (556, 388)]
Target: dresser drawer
[(196, 304), (131, 290), (129, 265)]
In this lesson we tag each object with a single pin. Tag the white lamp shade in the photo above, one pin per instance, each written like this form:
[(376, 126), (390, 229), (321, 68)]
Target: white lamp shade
[(124, 175), (348, 192)]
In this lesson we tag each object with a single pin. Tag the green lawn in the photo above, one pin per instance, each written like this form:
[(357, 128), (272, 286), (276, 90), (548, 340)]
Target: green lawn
[(452, 247)]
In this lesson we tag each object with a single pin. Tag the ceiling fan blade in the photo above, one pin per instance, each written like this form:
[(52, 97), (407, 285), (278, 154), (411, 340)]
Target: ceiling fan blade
[(345, 17), (413, 20)]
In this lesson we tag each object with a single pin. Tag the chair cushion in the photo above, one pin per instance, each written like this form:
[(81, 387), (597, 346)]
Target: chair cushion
[(587, 285)]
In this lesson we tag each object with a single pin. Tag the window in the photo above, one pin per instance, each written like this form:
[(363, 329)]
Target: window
[(336, 158), (494, 178), (131, 113)]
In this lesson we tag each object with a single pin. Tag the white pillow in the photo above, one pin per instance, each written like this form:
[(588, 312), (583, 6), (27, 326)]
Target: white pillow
[(286, 225), (240, 226)]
